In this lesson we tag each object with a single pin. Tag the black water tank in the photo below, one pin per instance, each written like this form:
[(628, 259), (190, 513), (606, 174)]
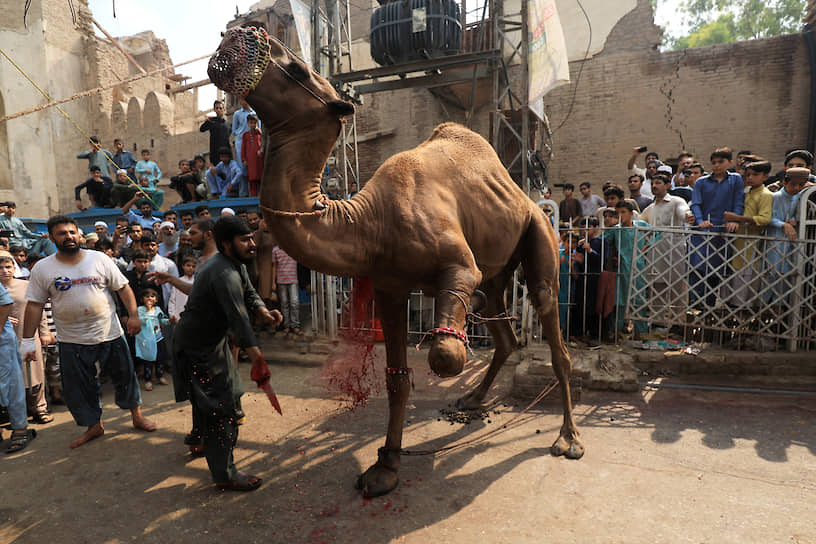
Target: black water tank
[(408, 30)]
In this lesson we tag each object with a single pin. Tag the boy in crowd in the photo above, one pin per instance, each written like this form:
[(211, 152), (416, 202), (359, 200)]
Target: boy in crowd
[(184, 183), (98, 188), (198, 170), (719, 192), (21, 272), (783, 226), (148, 169), (635, 183), (798, 158), (123, 159), (589, 202), (569, 210), (284, 275), (589, 262), (689, 179), (613, 194), (624, 239), (137, 276), (202, 212), (252, 154), (97, 157), (756, 215), (226, 176)]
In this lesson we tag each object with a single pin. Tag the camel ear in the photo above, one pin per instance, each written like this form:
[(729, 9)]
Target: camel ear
[(341, 108)]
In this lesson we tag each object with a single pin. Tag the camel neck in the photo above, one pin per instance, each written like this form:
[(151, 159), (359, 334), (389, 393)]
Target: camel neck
[(329, 241)]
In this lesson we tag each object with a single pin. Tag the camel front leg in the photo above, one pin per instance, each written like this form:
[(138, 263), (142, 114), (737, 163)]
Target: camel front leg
[(382, 477), (448, 352)]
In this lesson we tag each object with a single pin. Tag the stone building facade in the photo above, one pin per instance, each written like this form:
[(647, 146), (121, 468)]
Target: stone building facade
[(38, 165)]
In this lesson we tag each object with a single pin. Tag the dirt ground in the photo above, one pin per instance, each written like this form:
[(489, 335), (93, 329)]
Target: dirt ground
[(661, 466)]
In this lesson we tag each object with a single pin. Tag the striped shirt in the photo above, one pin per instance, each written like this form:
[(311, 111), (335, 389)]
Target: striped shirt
[(285, 267)]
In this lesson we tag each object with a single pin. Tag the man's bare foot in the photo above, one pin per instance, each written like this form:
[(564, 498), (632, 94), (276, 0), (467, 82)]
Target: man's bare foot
[(140, 421), (143, 424), (94, 431)]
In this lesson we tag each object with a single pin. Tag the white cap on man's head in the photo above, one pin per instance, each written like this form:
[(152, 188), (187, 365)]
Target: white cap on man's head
[(167, 224), (122, 171), (100, 224), (227, 211), (665, 168)]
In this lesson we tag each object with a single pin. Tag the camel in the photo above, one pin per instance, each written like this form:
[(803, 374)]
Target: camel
[(445, 217)]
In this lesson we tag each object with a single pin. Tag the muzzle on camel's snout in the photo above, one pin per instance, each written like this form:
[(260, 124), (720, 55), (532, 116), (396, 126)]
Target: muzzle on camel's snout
[(240, 61)]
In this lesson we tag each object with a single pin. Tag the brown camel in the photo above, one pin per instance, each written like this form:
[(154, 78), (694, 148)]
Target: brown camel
[(445, 217)]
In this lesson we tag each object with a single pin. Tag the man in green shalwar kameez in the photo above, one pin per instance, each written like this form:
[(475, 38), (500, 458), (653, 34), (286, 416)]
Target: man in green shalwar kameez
[(206, 374)]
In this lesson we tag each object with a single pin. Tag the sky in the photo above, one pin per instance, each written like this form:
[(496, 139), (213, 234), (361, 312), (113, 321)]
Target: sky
[(193, 27)]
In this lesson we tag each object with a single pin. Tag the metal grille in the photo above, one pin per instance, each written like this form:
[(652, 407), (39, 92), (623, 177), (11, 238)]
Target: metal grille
[(756, 291)]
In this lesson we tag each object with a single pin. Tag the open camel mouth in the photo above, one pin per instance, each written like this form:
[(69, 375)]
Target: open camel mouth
[(240, 61)]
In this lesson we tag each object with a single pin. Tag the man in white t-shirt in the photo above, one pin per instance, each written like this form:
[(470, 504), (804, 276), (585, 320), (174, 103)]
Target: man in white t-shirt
[(80, 283)]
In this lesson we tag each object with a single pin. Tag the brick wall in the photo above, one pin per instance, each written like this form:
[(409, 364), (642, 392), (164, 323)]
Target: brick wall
[(747, 95)]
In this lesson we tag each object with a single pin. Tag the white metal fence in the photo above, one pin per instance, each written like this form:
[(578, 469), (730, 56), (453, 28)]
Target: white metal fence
[(668, 286)]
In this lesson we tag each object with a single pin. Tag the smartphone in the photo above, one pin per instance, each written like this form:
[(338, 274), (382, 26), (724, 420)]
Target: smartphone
[(687, 172), (643, 149)]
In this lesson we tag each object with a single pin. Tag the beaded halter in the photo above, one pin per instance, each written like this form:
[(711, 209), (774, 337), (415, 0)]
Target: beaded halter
[(242, 47)]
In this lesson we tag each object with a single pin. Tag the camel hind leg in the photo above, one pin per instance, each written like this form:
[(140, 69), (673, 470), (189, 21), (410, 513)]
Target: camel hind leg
[(540, 262), (503, 336)]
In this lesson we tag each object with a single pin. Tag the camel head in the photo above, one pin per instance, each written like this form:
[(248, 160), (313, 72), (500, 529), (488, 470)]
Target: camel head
[(275, 82)]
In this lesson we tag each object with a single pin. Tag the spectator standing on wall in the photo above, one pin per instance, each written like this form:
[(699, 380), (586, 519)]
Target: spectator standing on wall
[(124, 160), (149, 169), (240, 125), (96, 156), (219, 131), (252, 154)]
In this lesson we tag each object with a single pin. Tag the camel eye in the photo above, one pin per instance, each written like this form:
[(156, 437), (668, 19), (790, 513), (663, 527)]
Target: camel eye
[(297, 72)]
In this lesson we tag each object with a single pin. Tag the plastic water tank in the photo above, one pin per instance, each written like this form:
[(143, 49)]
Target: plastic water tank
[(408, 30)]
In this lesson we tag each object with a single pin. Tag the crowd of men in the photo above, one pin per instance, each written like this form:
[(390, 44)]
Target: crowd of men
[(742, 196), (108, 303)]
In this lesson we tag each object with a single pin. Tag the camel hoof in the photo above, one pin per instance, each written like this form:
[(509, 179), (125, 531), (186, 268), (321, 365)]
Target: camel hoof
[(377, 480), (471, 401), (569, 448)]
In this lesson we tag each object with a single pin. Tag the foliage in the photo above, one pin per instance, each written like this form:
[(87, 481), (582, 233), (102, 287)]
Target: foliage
[(722, 21)]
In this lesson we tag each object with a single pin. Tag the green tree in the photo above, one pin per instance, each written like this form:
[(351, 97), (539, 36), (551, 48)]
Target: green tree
[(723, 21)]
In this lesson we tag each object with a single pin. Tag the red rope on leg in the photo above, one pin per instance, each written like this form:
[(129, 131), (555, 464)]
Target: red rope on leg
[(450, 331)]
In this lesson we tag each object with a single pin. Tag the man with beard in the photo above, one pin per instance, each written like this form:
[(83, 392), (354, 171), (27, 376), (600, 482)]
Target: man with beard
[(219, 304), (80, 283)]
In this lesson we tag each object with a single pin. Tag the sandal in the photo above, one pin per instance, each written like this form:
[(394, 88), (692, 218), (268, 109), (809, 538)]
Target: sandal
[(42, 418), (241, 482), (20, 439), (297, 332), (148, 386)]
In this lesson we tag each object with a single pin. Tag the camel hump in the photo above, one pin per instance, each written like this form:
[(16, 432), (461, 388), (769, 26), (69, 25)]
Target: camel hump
[(454, 132)]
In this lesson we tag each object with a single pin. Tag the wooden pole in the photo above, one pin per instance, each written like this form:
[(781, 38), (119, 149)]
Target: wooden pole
[(119, 47)]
